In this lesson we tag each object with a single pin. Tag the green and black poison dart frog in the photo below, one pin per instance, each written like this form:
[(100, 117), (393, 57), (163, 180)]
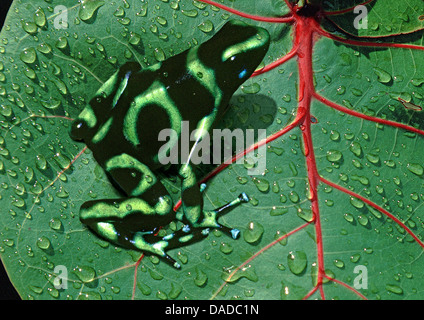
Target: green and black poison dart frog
[(121, 124)]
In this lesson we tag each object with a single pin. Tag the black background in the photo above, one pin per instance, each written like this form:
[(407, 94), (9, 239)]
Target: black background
[(7, 291)]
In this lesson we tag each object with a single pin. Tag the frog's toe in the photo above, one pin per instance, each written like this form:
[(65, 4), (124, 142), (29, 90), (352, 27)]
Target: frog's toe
[(172, 261), (232, 232), (235, 233), (202, 187), (243, 197)]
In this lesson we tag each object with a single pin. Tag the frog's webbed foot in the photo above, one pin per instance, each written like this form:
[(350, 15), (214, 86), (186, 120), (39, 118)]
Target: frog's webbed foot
[(211, 217), (141, 242), (149, 242)]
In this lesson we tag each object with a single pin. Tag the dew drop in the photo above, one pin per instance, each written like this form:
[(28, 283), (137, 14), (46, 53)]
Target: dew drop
[(88, 8), (261, 184), (225, 248), (28, 174), (339, 263), (62, 43), (155, 274), (278, 211), (124, 21), (417, 82), (251, 89), (356, 92), (53, 292), (206, 26), (242, 180), (373, 158), (6, 110), (341, 90), (294, 197), (161, 295), (52, 104), (143, 11), (84, 273), (18, 202), (348, 217), (28, 55), (29, 73), (40, 162), (159, 54), (357, 203), (363, 220), (297, 262), (40, 18), (382, 76), (36, 188), (20, 189), (60, 86), (161, 20), (43, 243), (44, 48), (390, 163), (253, 232), (415, 168), (134, 38), (9, 242), (182, 257), (355, 257), (334, 135), (247, 272), (334, 155), (190, 13), (356, 148), (305, 214), (394, 288), (119, 12), (175, 290), (29, 27), (36, 289), (55, 224), (91, 295), (201, 278)]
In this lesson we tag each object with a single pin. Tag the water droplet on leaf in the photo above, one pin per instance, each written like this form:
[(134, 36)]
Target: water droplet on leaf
[(88, 8), (415, 168), (28, 55), (40, 18), (382, 76), (206, 26), (253, 232), (297, 262)]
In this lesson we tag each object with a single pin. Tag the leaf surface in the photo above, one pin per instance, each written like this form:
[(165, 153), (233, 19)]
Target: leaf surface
[(341, 196)]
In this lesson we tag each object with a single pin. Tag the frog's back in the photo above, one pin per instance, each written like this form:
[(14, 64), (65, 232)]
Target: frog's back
[(134, 106), (131, 118)]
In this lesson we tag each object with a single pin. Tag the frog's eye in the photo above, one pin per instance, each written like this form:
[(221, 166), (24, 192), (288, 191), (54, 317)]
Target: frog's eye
[(242, 73), (78, 129), (242, 70)]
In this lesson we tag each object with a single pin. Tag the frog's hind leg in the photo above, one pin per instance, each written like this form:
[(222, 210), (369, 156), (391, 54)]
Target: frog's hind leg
[(195, 215), (179, 238), (129, 222), (132, 222)]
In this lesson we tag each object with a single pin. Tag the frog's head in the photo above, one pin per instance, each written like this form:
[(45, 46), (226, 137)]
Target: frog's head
[(234, 53), (82, 128), (87, 123), (96, 112)]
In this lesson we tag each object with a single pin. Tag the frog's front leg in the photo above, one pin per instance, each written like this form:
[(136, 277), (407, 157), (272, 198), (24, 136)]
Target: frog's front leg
[(192, 204)]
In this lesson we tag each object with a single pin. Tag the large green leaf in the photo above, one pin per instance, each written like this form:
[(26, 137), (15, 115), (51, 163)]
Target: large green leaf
[(342, 186)]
